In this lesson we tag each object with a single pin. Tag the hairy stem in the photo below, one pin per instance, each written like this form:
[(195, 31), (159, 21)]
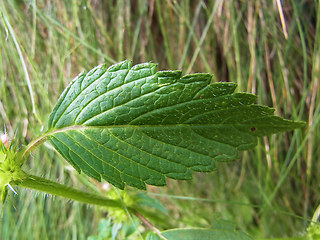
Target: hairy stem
[(56, 189), (47, 186)]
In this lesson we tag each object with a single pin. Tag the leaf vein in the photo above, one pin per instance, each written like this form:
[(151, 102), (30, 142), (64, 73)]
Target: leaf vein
[(144, 152), (107, 91), (121, 155), (175, 146), (77, 95), (75, 153)]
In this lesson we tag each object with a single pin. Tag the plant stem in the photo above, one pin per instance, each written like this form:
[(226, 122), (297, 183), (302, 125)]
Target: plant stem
[(31, 145), (47, 186), (149, 225), (56, 189), (40, 139)]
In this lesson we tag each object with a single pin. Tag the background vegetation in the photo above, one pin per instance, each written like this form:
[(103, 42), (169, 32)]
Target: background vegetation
[(268, 48)]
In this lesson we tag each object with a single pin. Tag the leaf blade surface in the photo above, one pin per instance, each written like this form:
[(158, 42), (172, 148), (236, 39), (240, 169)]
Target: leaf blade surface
[(133, 125)]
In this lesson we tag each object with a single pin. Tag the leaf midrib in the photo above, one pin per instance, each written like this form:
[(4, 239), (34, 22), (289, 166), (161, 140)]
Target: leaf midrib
[(149, 126)]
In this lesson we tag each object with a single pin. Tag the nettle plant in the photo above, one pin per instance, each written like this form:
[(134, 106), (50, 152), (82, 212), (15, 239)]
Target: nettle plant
[(131, 125)]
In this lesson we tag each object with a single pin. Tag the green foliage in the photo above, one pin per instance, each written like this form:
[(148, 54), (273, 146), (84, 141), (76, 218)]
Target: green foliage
[(313, 231), (118, 214), (205, 234), (143, 200), (10, 168), (271, 192), (134, 125), (109, 229), (201, 233)]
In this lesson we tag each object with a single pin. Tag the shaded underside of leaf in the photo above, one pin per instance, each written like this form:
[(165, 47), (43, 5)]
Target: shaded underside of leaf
[(133, 125)]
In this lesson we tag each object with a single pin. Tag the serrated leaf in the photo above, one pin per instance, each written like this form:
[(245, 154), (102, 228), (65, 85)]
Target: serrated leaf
[(133, 125)]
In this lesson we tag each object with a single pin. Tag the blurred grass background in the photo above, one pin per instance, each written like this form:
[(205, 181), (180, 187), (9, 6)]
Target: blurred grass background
[(269, 48)]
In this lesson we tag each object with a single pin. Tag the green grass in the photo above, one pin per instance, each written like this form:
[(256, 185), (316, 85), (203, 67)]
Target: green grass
[(272, 191)]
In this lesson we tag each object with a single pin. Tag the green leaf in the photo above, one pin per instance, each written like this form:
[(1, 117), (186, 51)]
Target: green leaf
[(152, 236), (133, 125), (313, 231), (204, 234), (144, 200), (222, 230)]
